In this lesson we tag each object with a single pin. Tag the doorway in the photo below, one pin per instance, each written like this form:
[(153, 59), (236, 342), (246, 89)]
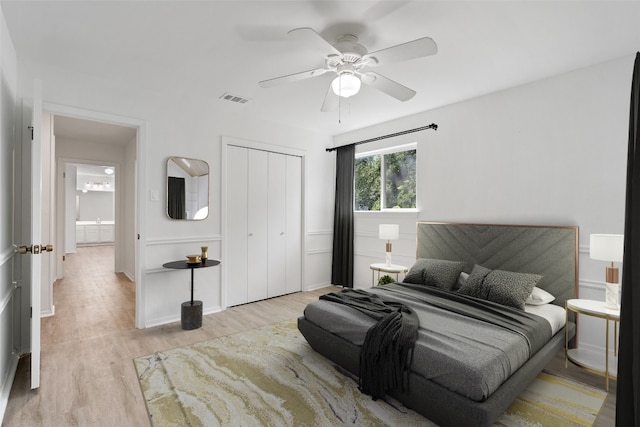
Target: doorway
[(96, 193)]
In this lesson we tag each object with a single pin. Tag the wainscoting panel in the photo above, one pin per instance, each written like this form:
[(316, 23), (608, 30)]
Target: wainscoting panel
[(173, 287), (8, 356)]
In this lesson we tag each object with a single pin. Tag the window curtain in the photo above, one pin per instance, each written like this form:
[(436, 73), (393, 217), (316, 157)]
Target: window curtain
[(176, 206), (628, 384), (342, 264)]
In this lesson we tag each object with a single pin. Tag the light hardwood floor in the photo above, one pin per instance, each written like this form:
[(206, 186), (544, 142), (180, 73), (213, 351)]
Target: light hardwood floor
[(88, 377)]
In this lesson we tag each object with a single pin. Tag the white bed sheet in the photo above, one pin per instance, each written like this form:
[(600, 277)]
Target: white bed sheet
[(554, 314)]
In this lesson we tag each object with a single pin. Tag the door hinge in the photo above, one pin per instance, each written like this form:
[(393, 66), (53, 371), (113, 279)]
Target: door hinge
[(31, 312), (64, 258), (64, 175), (31, 128)]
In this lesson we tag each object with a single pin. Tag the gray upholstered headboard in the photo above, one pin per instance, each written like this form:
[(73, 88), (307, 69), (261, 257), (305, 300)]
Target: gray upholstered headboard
[(549, 251)]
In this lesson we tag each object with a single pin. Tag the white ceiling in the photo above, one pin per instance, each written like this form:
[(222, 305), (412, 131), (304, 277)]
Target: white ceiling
[(216, 47), (92, 131)]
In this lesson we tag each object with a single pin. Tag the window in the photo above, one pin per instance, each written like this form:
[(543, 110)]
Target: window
[(386, 179)]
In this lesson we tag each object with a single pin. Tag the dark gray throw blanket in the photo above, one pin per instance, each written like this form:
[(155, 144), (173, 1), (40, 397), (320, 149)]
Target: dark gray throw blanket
[(388, 346)]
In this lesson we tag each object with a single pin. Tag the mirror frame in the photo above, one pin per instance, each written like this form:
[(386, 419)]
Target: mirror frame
[(194, 169)]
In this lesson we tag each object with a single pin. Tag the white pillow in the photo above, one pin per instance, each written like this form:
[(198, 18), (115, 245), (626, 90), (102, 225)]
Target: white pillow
[(539, 297), (461, 279)]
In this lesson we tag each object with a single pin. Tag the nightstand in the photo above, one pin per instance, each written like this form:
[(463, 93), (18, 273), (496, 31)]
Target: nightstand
[(384, 268), (591, 360)]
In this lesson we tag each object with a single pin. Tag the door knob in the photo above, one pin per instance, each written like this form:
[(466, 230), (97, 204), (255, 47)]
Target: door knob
[(35, 249)]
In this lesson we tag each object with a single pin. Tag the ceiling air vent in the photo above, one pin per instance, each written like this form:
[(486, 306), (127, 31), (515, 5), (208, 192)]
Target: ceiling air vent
[(234, 98)]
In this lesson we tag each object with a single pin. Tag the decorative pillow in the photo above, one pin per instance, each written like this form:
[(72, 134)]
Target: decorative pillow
[(539, 297), (415, 274), (435, 272), (509, 288), (474, 285), (443, 274)]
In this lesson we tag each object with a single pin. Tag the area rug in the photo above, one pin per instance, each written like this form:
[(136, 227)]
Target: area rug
[(270, 376)]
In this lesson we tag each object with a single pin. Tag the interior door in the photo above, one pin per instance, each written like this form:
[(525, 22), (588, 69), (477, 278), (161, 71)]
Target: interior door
[(257, 220), (277, 224), (36, 231), (236, 260), (31, 218)]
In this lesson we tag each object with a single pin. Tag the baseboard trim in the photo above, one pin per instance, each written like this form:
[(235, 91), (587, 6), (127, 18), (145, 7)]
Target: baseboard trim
[(317, 286), (7, 384), (172, 319)]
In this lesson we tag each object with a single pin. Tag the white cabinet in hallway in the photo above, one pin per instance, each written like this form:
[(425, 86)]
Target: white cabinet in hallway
[(264, 224), (91, 232)]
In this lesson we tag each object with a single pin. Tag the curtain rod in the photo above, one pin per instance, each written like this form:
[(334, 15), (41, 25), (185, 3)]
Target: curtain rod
[(404, 132)]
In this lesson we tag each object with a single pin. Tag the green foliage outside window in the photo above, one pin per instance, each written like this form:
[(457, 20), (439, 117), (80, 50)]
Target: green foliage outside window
[(399, 181), (367, 183)]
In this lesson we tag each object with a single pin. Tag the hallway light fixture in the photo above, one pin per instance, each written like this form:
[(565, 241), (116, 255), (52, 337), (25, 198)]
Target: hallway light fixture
[(109, 171)]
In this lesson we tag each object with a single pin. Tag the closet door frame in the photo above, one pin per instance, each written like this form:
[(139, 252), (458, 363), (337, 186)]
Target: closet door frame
[(272, 148)]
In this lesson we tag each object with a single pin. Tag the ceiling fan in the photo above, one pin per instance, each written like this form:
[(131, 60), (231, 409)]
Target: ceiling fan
[(348, 59)]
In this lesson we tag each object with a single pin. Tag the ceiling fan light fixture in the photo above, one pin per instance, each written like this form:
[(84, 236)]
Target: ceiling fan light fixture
[(346, 85)]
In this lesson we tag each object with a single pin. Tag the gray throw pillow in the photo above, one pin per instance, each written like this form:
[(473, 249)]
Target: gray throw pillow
[(415, 274), (443, 274), (474, 285), (509, 288)]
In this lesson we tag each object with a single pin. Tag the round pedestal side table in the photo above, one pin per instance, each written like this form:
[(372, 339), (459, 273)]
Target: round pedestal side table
[(384, 268), (191, 311)]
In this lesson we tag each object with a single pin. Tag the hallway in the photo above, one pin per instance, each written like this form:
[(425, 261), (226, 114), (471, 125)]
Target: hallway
[(91, 300)]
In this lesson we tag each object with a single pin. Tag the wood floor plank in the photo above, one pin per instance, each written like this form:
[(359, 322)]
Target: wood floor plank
[(88, 377)]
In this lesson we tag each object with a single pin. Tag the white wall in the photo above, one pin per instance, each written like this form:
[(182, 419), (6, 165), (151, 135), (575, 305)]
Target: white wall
[(552, 152), (191, 125), (9, 297)]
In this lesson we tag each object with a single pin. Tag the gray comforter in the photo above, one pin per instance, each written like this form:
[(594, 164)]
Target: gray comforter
[(468, 345)]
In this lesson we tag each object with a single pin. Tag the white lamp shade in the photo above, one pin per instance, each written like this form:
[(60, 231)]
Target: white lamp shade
[(346, 85), (606, 247), (389, 231)]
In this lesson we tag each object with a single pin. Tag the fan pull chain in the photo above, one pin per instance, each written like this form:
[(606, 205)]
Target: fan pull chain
[(340, 100)]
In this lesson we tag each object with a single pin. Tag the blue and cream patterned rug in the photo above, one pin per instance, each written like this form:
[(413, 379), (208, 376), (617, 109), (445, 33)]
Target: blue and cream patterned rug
[(270, 376)]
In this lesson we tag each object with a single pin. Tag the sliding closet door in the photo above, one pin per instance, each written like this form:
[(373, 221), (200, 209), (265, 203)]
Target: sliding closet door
[(294, 224), (277, 224), (258, 222), (236, 262)]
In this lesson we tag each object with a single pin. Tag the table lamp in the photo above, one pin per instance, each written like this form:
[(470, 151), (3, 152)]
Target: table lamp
[(608, 247), (389, 232)]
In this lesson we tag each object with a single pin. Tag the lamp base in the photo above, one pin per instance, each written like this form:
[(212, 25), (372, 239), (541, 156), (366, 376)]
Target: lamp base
[(611, 296), (388, 258)]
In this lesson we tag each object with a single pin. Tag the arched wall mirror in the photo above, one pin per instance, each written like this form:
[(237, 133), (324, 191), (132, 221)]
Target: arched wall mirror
[(187, 188)]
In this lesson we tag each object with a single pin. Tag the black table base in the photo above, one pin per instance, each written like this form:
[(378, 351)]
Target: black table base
[(191, 317)]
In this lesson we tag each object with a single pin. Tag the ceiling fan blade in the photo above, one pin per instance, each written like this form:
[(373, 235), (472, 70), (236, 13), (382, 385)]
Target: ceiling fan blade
[(292, 77), (402, 52), (309, 36), (330, 102), (388, 86)]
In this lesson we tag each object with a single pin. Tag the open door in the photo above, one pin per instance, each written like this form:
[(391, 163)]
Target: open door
[(31, 152)]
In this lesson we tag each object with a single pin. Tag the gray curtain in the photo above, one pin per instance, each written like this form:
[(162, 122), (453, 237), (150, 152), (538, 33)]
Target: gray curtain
[(342, 263), (628, 385), (176, 205)]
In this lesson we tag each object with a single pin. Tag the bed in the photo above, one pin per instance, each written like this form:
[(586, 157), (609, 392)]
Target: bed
[(457, 376)]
